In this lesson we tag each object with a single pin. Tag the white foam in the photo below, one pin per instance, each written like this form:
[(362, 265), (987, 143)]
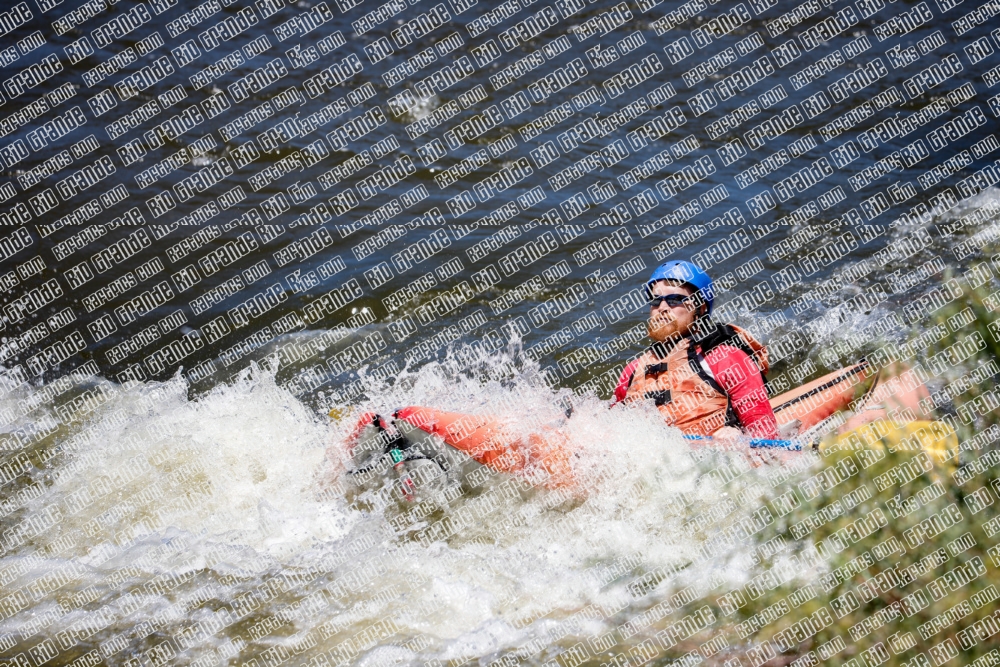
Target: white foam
[(232, 485)]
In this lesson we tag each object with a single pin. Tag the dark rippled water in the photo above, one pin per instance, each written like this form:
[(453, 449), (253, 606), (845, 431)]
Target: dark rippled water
[(297, 262)]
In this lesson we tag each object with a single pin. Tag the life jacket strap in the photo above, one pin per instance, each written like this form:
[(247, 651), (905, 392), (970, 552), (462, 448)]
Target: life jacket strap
[(659, 397)]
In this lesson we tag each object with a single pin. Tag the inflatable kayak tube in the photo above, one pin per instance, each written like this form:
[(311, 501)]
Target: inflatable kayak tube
[(815, 401), (394, 459), (410, 448), (487, 440)]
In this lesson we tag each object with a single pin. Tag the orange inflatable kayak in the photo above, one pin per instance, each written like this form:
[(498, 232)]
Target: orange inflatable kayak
[(492, 442), (487, 439), (410, 445)]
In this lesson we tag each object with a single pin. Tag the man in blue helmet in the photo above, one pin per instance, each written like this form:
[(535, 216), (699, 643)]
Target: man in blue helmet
[(705, 378)]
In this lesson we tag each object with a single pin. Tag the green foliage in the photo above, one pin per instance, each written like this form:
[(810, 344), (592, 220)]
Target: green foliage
[(906, 569), (974, 316), (910, 540)]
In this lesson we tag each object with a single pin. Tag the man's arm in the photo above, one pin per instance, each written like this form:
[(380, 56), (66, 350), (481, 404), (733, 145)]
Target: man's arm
[(739, 376)]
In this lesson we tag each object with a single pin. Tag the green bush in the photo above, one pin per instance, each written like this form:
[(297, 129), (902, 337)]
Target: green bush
[(906, 568)]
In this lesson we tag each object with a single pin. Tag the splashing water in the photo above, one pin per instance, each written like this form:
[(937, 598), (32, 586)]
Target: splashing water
[(195, 531), (423, 108)]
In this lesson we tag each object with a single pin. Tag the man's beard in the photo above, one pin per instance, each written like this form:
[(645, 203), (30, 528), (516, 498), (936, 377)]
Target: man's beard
[(662, 329)]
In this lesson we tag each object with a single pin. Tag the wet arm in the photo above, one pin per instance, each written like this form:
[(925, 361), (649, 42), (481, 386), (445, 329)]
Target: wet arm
[(739, 376)]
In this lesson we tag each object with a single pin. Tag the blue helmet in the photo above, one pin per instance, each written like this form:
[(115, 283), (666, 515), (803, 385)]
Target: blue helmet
[(684, 272)]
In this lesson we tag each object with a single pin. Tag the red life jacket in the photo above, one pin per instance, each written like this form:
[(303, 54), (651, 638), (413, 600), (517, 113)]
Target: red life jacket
[(685, 393)]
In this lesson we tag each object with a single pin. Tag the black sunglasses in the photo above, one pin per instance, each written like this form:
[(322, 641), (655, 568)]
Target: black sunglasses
[(672, 300)]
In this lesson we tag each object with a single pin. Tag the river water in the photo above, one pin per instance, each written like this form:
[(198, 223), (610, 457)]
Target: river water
[(174, 490)]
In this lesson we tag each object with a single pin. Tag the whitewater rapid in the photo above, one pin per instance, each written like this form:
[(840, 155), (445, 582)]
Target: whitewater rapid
[(204, 527)]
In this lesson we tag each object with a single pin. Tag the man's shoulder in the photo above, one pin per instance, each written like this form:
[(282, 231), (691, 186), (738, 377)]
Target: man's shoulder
[(732, 336)]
